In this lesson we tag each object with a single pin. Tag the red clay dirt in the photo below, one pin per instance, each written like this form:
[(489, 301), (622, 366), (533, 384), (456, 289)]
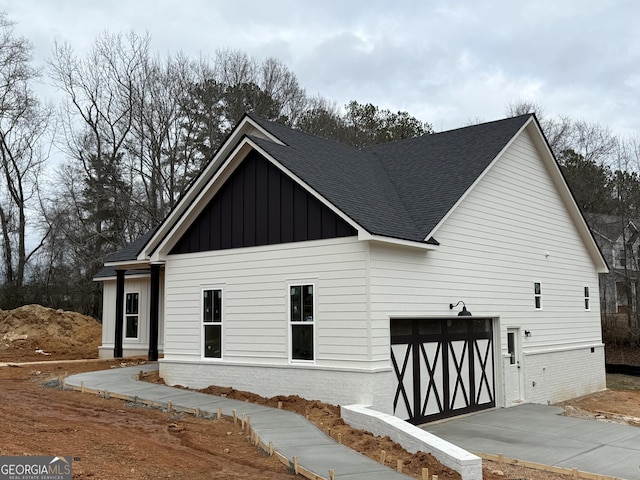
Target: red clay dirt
[(34, 333), (113, 439)]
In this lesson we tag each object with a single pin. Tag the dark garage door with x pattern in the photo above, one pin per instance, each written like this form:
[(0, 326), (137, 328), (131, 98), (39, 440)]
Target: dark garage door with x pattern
[(443, 367)]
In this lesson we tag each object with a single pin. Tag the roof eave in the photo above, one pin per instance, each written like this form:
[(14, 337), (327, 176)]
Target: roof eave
[(366, 236), (553, 167), (477, 180), (541, 143), (206, 192), (128, 264), (245, 126), (113, 277)]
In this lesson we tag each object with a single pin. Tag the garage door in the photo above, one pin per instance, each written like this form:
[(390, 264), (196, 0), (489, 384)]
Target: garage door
[(443, 367)]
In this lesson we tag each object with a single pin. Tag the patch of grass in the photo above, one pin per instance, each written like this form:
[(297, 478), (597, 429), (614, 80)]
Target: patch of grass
[(617, 381)]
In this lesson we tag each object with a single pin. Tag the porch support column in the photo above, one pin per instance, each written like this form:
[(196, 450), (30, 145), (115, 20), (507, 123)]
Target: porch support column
[(117, 344), (154, 308)]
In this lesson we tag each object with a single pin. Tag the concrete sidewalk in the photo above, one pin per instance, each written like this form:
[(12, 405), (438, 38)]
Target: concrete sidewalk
[(291, 434), (540, 434)]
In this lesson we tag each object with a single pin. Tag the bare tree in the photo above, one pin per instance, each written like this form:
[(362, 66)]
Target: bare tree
[(154, 140), (595, 142), (267, 88), (98, 119), (558, 130), (23, 124)]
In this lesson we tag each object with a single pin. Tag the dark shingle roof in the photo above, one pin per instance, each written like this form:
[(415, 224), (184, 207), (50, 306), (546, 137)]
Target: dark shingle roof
[(128, 253), (131, 251), (432, 172), (352, 180), (400, 189)]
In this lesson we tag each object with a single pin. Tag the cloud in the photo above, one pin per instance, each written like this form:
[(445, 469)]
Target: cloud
[(443, 61)]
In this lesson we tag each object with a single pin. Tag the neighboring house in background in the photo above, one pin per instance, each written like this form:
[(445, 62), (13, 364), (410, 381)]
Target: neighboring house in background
[(619, 241), (297, 265)]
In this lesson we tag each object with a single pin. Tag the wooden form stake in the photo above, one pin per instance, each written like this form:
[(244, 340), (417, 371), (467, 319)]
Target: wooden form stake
[(383, 457), (235, 418), (169, 406), (82, 387), (295, 465), (340, 438), (434, 477), (425, 474), (271, 449), (399, 465), (197, 412), (242, 424), (279, 405), (219, 415), (332, 475)]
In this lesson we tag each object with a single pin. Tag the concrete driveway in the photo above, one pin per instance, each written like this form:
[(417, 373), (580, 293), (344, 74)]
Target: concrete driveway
[(541, 434)]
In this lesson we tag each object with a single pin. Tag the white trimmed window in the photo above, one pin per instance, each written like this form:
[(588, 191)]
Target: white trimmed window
[(212, 323), (301, 322), (537, 295), (587, 305), (132, 314)]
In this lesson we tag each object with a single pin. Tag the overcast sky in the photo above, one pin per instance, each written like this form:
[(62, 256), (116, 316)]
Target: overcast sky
[(445, 62)]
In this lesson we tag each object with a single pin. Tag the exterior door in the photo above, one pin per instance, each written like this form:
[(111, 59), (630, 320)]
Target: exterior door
[(513, 368), (444, 367)]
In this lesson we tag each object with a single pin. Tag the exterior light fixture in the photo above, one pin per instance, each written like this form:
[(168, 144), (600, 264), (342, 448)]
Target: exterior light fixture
[(464, 312)]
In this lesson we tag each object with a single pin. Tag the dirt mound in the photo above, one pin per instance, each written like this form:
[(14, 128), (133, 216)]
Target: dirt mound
[(34, 332)]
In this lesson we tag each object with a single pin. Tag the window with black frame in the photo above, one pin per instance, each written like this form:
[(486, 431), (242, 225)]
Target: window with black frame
[(301, 319), (132, 311), (212, 323)]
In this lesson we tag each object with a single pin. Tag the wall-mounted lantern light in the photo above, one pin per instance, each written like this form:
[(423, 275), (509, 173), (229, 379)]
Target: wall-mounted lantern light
[(464, 312)]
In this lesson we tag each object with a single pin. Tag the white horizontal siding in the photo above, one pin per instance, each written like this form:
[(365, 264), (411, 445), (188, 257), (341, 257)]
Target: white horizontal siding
[(108, 312), (255, 285), (142, 285), (492, 249)]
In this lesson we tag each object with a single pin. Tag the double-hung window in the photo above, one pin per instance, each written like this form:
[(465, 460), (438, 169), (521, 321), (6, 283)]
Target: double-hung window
[(132, 313), (587, 298), (212, 323), (301, 320), (537, 295)]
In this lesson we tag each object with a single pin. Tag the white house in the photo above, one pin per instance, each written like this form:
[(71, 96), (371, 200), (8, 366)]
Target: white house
[(297, 265)]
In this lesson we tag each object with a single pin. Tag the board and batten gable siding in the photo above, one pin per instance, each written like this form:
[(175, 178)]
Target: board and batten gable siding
[(260, 205), (255, 283), (511, 231)]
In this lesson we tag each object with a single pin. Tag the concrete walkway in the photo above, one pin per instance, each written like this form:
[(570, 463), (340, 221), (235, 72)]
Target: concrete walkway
[(291, 434), (540, 434)]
